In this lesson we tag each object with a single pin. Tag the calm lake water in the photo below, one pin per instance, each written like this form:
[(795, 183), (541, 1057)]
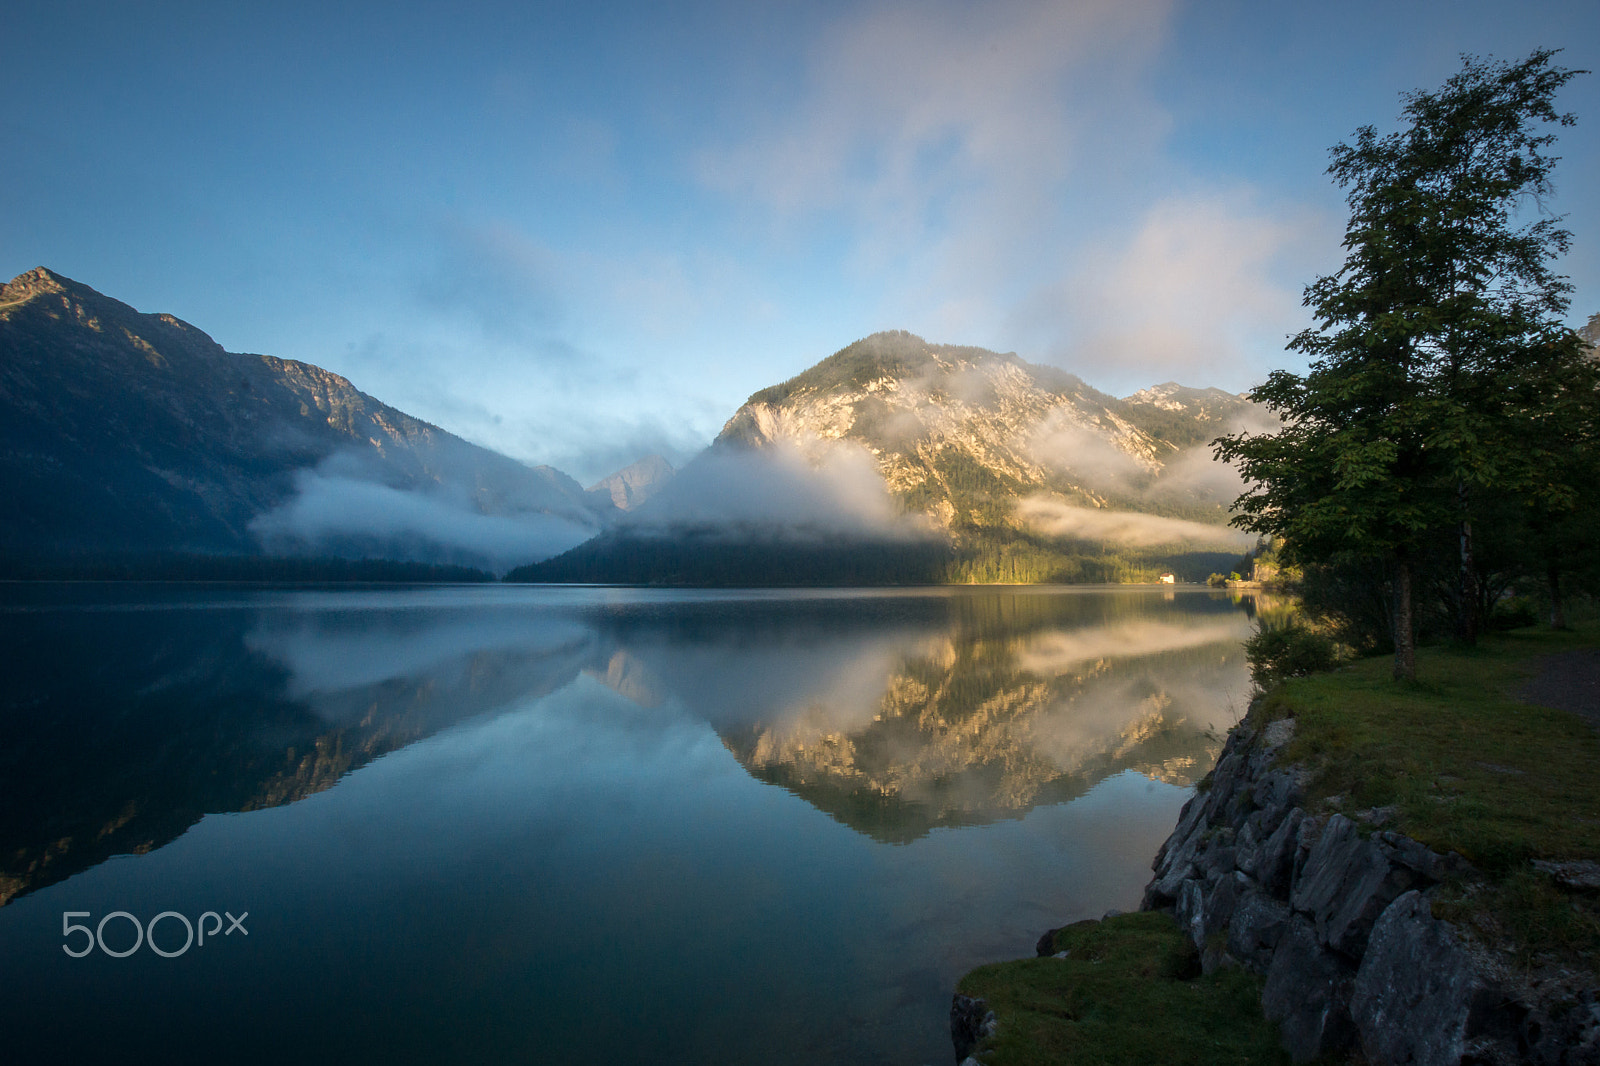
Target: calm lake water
[(495, 824)]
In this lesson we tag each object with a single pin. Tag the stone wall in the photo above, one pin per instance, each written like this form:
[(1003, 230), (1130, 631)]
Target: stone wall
[(1340, 922)]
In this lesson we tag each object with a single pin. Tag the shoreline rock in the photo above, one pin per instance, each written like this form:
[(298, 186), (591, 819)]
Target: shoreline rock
[(1341, 926)]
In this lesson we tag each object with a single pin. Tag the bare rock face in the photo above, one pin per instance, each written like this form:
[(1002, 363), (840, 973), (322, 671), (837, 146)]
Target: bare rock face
[(633, 484), (1346, 884), (1308, 993), (1341, 925), (1417, 988)]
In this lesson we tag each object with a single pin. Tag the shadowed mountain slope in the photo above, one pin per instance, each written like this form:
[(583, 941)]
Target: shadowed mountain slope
[(129, 432)]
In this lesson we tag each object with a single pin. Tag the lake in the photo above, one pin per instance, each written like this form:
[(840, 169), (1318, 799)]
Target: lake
[(498, 823)]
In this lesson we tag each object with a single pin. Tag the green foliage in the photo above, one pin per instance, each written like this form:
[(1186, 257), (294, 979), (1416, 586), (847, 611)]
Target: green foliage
[(1129, 991), (1277, 653), (1518, 612), (1439, 363)]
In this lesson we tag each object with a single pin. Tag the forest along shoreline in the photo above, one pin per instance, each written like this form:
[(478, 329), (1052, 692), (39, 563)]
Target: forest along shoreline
[(1405, 871)]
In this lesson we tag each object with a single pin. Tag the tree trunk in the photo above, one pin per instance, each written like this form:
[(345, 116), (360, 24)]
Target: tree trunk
[(1405, 635), (1467, 621), (1558, 611)]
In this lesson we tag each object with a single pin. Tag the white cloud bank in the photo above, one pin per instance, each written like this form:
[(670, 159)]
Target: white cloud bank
[(1057, 519), (341, 515), (827, 489)]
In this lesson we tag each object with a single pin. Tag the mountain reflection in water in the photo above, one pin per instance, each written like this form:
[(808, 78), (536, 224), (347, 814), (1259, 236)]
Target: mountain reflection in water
[(131, 712)]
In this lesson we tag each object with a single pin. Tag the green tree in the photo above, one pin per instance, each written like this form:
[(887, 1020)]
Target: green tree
[(1435, 343)]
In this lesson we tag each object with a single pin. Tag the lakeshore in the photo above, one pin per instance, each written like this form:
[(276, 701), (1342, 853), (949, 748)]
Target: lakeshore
[(1457, 766)]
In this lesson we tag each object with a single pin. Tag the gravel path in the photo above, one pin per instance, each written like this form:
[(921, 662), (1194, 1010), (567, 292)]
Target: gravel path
[(1570, 681)]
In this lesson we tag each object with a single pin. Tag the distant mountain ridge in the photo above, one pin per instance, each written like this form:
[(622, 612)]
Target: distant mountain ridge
[(122, 431), (961, 433), (894, 460), (635, 483), (899, 461)]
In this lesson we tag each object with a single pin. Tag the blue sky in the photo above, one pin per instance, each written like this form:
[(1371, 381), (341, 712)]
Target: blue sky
[(580, 233)]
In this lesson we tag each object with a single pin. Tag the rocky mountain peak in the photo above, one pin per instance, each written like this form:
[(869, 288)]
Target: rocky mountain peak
[(635, 483), (38, 281), (48, 297), (1171, 396), (963, 433)]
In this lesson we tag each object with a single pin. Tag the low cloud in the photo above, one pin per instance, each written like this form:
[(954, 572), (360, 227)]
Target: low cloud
[(1057, 519), (337, 514), (1087, 452), (784, 490), (1185, 478)]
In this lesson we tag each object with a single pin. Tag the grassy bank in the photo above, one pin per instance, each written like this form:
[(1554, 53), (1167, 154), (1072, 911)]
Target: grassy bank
[(1467, 768), (1129, 991), (1458, 763)]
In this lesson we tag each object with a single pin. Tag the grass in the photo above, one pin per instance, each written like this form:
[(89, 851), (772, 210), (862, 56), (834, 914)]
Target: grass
[(1130, 991), (1466, 767), (1469, 769)]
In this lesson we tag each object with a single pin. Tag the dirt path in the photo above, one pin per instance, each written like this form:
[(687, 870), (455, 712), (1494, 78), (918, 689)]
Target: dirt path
[(1569, 680)]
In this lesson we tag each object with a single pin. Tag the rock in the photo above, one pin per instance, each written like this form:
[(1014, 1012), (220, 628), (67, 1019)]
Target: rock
[(1224, 782), (1571, 874), (1163, 891), (1421, 859), (1216, 908), (1415, 990), (1247, 846), (1376, 816), (1275, 795), (1345, 885), (971, 1023), (1277, 858), (1219, 860), (1190, 912), (1277, 734), (1306, 836), (1307, 993), (1573, 1039), (1340, 925), (1257, 925), (1191, 813)]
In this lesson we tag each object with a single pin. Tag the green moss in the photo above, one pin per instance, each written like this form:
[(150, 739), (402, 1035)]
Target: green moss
[(1128, 992)]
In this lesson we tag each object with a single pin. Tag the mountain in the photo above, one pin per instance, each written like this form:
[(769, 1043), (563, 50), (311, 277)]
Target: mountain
[(898, 461), (961, 434), (125, 432), (634, 484)]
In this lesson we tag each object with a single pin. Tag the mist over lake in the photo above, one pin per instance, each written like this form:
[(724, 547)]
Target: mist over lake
[(606, 825)]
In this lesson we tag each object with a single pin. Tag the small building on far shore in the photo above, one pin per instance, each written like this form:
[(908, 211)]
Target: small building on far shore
[(1169, 579)]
